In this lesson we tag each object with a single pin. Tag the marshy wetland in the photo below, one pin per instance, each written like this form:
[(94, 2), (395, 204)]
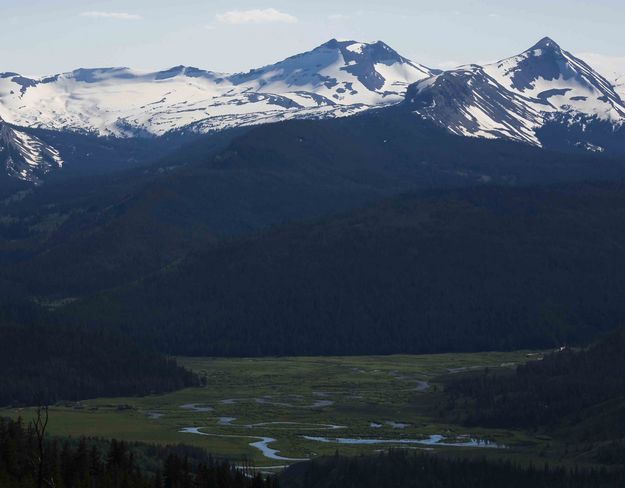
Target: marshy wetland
[(276, 411)]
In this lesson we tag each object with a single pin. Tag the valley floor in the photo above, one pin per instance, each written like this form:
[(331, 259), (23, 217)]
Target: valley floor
[(276, 411)]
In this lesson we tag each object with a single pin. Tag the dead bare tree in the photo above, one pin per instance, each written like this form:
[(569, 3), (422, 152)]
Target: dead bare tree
[(40, 424)]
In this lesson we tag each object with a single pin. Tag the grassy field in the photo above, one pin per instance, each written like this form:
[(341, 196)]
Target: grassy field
[(246, 401)]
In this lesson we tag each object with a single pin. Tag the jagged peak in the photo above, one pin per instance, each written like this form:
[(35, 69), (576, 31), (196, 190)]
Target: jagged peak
[(546, 43), (333, 43)]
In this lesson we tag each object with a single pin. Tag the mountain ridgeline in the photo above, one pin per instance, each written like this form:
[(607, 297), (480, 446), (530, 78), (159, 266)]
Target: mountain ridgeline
[(517, 97), (544, 96)]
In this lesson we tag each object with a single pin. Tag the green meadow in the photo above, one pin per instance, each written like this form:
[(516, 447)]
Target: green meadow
[(371, 403)]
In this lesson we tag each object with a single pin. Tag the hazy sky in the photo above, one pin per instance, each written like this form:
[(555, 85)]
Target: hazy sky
[(48, 36)]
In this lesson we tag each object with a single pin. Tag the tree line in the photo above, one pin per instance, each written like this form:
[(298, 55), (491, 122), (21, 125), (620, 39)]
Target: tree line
[(89, 463), (421, 470), (47, 364), (579, 392)]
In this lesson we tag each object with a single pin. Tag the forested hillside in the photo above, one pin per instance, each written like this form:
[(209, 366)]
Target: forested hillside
[(462, 270), (578, 394), (80, 236), (46, 364)]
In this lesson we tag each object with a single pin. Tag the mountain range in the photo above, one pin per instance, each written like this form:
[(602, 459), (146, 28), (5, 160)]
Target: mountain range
[(193, 241), (544, 96), (122, 102)]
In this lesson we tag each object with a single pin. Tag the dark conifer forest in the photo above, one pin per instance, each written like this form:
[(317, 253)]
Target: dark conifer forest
[(543, 392), (45, 364), (93, 463), (575, 395), (420, 470), (458, 270)]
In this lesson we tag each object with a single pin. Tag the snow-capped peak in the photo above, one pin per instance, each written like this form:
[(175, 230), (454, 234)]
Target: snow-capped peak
[(558, 81), (338, 78), (343, 72), (467, 101), (546, 43), (516, 96)]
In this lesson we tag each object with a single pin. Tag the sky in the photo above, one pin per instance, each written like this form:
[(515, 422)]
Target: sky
[(41, 37)]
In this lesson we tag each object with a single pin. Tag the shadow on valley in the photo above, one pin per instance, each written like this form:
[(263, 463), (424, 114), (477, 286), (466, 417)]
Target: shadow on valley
[(73, 237), (463, 270)]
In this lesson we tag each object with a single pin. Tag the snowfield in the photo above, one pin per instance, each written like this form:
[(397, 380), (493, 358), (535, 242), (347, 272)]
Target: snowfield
[(335, 79)]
